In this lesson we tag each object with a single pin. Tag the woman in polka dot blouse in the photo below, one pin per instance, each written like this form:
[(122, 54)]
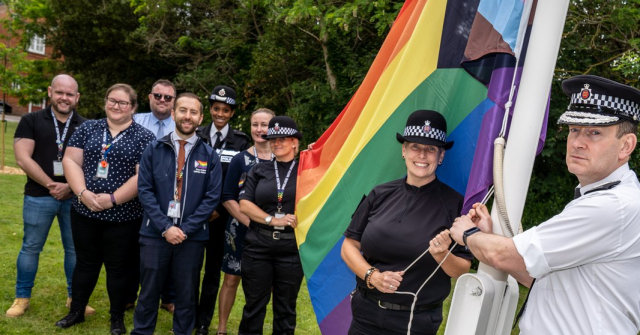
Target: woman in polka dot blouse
[(101, 165)]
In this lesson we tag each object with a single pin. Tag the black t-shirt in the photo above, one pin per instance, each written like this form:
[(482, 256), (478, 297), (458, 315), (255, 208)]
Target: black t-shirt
[(38, 126), (394, 225), (261, 189)]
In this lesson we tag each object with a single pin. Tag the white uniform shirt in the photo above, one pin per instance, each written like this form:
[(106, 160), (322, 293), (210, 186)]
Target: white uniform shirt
[(586, 261)]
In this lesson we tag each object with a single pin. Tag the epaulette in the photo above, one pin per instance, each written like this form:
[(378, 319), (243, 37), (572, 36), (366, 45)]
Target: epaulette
[(239, 133), (603, 187)]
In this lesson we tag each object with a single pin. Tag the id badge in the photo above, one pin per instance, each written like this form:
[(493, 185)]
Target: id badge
[(279, 216), (103, 170), (57, 168), (174, 209)]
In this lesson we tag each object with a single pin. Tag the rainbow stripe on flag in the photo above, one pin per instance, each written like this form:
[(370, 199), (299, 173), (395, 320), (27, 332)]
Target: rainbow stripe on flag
[(455, 57)]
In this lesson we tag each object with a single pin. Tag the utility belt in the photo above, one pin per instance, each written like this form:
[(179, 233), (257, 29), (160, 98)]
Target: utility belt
[(397, 307), (275, 234)]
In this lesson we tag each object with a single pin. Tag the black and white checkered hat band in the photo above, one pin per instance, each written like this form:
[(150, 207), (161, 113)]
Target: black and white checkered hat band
[(418, 131), (630, 108), (226, 100), (571, 117), (281, 131)]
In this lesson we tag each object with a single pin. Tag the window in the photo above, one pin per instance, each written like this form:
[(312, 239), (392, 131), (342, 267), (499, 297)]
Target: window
[(37, 45)]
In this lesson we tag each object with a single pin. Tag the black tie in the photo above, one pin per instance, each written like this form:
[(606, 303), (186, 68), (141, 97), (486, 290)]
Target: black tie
[(218, 140), (576, 193)]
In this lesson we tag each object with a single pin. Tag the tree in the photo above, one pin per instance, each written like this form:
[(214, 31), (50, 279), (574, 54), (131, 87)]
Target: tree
[(94, 39)]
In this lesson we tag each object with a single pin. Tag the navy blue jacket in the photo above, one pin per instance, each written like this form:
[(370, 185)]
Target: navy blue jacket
[(201, 188)]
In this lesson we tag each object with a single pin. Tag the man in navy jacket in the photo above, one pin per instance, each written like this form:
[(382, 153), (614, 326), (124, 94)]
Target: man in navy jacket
[(179, 186)]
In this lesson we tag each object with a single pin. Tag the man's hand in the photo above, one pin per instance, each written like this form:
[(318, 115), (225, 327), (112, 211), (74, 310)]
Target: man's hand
[(174, 235), (480, 215), (60, 191)]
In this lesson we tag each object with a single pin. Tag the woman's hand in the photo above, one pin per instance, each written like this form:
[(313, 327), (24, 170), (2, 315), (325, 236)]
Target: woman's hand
[(90, 200), (287, 220), (386, 282), (104, 200), (440, 243)]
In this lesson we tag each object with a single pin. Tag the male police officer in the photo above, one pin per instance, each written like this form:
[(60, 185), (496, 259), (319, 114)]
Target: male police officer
[(179, 185), (39, 143), (227, 142), (583, 264)]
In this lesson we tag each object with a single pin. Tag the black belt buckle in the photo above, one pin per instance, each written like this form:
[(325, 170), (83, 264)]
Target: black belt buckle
[(276, 235)]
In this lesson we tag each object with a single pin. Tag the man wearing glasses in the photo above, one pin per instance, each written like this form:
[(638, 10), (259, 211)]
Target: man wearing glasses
[(161, 100), (159, 122)]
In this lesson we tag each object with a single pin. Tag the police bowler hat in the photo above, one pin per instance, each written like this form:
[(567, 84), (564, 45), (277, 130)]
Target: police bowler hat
[(426, 127), (282, 126)]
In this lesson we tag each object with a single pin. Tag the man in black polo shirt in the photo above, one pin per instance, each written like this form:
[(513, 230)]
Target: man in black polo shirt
[(227, 142), (39, 143)]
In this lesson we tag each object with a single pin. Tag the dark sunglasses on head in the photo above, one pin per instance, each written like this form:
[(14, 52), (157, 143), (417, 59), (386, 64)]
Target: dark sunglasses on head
[(159, 96)]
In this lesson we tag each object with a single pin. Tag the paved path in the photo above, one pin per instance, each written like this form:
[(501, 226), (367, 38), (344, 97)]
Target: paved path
[(10, 118)]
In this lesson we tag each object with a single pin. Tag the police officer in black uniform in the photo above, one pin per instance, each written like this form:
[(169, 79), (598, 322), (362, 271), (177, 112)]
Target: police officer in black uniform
[(227, 142), (270, 260), (393, 226)]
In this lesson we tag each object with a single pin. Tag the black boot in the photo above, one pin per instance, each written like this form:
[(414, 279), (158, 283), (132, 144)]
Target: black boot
[(117, 325), (74, 316)]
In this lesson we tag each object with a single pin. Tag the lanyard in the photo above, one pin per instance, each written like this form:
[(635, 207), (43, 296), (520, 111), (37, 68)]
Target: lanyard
[(286, 179), (179, 175), (60, 140), (106, 147), (255, 153)]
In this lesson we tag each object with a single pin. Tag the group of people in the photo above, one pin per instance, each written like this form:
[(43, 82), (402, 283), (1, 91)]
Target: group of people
[(158, 186), (143, 195)]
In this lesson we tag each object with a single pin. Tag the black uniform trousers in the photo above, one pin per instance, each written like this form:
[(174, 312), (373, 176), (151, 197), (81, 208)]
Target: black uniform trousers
[(270, 265), (371, 319), (100, 242), (213, 264), (157, 258)]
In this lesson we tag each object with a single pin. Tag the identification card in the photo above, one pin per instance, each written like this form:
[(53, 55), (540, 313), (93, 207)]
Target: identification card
[(279, 216), (103, 170), (174, 209), (57, 168)]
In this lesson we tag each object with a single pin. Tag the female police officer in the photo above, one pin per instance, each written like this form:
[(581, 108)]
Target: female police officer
[(270, 259), (390, 229)]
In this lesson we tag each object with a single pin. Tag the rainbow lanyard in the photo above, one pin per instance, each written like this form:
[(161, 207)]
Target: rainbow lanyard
[(286, 179), (257, 159), (106, 147)]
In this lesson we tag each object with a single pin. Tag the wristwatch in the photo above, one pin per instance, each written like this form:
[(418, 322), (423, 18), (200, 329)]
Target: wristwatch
[(268, 220), (468, 233)]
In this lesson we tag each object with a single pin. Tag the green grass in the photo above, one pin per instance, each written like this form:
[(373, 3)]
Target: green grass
[(49, 294)]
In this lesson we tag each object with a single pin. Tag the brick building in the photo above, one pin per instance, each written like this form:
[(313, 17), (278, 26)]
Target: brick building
[(38, 49)]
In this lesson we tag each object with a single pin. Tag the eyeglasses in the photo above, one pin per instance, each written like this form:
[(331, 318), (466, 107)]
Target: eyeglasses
[(159, 96), (122, 104), (427, 149)]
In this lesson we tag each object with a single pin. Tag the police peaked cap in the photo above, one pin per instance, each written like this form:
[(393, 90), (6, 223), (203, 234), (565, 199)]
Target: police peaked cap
[(596, 101), (282, 126), (426, 127), (223, 94)]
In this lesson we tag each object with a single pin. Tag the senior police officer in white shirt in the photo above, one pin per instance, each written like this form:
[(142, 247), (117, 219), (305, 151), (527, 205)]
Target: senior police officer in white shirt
[(583, 265)]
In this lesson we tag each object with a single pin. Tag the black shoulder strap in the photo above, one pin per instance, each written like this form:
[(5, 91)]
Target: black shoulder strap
[(604, 187)]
